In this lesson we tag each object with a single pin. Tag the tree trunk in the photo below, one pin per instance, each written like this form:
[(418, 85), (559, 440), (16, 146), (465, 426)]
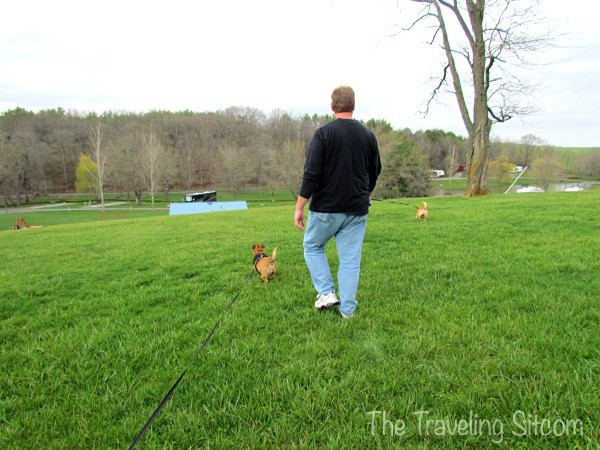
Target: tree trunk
[(478, 158), (477, 174), (480, 125), (8, 201), (100, 157)]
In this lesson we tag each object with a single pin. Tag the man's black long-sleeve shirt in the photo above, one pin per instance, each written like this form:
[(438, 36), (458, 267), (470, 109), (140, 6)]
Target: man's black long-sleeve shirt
[(341, 168)]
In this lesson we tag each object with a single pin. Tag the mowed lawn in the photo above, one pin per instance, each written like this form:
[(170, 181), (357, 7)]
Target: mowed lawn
[(477, 329)]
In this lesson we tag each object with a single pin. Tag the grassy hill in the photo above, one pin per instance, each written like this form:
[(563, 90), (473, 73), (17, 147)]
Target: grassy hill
[(476, 328)]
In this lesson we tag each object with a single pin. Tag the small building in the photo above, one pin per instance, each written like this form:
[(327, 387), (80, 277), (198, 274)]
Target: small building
[(516, 169)]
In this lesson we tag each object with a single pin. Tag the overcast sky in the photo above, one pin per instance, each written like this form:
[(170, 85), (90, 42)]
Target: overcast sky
[(202, 55)]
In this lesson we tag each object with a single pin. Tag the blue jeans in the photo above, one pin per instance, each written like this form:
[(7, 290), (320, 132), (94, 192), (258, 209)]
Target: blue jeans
[(349, 232)]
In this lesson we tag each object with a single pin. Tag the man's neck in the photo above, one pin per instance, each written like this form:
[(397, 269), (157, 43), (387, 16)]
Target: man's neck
[(343, 115)]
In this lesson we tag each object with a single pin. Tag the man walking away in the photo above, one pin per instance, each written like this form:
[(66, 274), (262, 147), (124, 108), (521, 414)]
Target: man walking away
[(340, 172)]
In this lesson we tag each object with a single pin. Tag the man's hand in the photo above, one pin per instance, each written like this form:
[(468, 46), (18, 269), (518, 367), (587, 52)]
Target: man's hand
[(299, 219), (299, 214)]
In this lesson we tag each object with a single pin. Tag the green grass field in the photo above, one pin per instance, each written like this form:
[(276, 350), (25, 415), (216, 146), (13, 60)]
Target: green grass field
[(254, 196), (477, 329)]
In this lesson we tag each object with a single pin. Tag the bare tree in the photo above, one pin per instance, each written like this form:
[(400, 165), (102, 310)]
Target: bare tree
[(485, 44), (5, 169), (233, 167), (21, 156), (451, 160), (187, 157), (288, 161), (152, 152), (546, 168), (587, 163), (529, 143), (99, 155), (63, 154), (125, 168)]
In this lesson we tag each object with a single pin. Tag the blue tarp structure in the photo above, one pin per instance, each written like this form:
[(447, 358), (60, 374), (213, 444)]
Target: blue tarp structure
[(204, 207)]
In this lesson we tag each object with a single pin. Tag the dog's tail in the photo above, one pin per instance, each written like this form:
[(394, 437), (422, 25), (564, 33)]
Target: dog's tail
[(274, 254)]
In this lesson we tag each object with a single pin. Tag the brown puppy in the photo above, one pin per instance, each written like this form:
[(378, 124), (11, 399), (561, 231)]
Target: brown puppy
[(264, 264), (422, 212)]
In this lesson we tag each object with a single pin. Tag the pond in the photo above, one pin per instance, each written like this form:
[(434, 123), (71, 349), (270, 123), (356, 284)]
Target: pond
[(582, 186), (558, 187), (553, 187)]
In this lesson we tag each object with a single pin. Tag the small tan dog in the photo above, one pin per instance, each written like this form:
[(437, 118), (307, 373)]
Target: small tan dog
[(21, 224), (422, 212), (264, 264)]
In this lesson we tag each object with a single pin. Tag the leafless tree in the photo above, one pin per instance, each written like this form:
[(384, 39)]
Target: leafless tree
[(188, 159), (5, 168), (99, 157), (21, 156), (234, 167), (150, 157), (546, 168), (451, 160), (288, 162), (486, 43), (529, 143), (125, 171), (589, 164)]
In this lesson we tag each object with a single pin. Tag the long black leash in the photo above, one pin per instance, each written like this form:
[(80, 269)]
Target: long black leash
[(391, 201), (172, 390)]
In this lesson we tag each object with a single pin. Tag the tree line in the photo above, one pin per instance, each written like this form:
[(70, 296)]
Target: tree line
[(58, 151)]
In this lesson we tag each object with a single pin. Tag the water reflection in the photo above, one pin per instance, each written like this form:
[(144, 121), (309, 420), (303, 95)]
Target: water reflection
[(569, 187)]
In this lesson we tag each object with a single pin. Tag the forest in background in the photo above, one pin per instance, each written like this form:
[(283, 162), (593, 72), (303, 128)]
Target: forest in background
[(58, 151)]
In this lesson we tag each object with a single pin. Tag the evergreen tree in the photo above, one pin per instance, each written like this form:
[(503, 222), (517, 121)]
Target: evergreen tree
[(406, 171)]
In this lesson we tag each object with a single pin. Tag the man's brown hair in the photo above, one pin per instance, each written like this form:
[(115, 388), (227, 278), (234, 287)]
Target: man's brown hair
[(342, 99)]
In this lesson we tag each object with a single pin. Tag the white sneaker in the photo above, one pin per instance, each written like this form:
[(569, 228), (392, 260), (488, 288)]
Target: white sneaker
[(326, 301), (346, 316)]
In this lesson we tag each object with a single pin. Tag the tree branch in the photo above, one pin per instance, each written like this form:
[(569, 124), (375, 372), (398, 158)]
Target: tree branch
[(437, 88), (503, 116), (488, 69)]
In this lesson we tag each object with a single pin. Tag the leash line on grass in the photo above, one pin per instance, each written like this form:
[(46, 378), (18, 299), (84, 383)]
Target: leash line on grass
[(391, 201), (171, 391)]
